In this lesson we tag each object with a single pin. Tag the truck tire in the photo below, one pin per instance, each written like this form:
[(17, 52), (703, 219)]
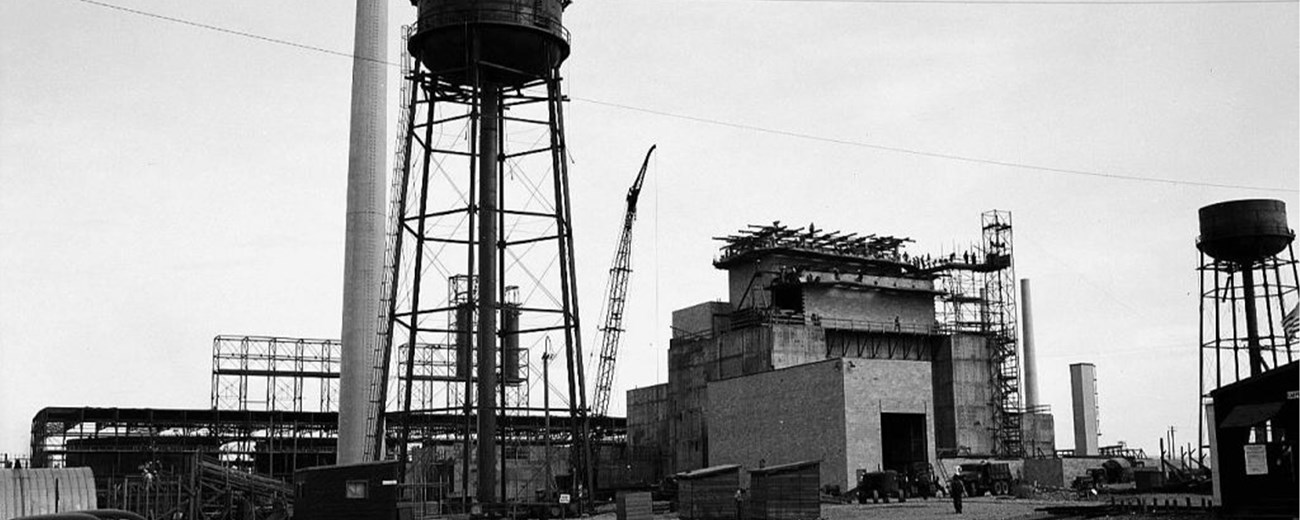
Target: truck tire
[(1001, 488)]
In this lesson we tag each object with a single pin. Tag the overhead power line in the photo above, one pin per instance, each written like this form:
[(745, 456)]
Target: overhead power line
[(937, 155), (233, 32), (1036, 2), (798, 135)]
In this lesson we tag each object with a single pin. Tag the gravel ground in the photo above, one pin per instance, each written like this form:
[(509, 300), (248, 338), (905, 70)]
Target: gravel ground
[(978, 508)]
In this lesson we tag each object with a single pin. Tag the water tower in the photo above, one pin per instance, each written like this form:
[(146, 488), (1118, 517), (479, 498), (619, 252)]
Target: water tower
[(1248, 283), (480, 263)]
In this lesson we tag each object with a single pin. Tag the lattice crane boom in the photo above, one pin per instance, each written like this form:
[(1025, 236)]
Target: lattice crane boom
[(611, 329)]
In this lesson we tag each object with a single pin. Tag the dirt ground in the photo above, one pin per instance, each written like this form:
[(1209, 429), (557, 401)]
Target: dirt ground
[(978, 508)]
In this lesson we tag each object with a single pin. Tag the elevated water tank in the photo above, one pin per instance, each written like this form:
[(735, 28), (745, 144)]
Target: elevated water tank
[(1244, 231), (519, 40)]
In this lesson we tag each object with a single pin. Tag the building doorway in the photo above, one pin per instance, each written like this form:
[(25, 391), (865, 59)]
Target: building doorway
[(902, 441)]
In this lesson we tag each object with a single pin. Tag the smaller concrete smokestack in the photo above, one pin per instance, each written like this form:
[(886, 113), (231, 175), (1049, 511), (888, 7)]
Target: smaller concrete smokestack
[(1028, 351), (1083, 393)]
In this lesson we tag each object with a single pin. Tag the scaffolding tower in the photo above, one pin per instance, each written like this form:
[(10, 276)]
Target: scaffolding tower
[(978, 296)]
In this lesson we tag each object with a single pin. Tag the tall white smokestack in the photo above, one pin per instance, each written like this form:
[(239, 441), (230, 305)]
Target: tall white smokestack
[(364, 243), (1027, 330)]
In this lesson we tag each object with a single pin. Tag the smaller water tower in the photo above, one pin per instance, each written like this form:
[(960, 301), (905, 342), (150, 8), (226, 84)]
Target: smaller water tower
[(1248, 284)]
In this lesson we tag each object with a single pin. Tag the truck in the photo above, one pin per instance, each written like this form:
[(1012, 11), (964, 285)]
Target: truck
[(878, 485), (919, 481), (984, 477)]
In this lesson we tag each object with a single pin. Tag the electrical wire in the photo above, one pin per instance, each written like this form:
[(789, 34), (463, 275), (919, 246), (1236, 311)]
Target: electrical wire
[(753, 128), (1035, 2), (937, 155)]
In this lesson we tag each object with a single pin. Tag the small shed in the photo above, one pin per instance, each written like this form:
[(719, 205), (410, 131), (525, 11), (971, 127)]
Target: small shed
[(708, 493), (786, 492), (366, 490), (1254, 475)]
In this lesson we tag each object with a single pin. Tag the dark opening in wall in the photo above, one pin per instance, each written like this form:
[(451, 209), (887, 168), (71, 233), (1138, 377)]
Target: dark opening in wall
[(902, 440), (788, 297)]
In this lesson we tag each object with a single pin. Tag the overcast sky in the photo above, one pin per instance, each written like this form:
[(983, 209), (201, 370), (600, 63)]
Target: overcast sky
[(161, 184)]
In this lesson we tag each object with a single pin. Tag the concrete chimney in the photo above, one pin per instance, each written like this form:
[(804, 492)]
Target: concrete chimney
[(364, 241), (1028, 351), (1083, 393)]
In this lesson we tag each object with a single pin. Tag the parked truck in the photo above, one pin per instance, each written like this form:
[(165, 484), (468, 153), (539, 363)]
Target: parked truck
[(879, 485), (984, 477)]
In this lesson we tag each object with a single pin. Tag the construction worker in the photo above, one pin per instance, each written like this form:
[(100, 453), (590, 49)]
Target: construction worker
[(956, 489)]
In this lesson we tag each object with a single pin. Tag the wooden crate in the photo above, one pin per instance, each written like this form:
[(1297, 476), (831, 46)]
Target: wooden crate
[(634, 506)]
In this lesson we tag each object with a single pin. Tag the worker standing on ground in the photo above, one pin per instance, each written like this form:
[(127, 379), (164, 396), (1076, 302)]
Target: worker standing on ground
[(956, 489), (740, 504)]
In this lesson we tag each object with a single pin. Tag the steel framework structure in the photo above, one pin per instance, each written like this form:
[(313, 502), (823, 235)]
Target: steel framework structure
[(275, 374), (1000, 286), (480, 194), (979, 297), (1229, 352)]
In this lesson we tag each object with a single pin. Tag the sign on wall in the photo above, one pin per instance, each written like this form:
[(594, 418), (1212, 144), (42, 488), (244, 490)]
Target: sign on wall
[(1256, 459)]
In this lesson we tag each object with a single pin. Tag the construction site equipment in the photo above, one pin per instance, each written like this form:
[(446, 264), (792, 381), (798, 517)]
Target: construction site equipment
[(879, 485), (920, 481), (611, 329), (993, 478)]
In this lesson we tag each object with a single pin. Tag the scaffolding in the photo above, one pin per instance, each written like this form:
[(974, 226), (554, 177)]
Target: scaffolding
[(274, 374), (978, 297)]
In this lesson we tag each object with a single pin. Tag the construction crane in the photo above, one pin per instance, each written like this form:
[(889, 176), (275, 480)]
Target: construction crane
[(611, 328)]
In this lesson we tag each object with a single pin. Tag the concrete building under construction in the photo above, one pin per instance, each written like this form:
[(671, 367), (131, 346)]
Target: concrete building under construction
[(845, 349)]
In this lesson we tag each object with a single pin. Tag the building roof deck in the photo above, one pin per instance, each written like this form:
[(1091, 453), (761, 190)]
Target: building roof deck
[(777, 236)]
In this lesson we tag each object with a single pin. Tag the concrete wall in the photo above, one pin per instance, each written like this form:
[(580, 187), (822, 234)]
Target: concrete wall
[(873, 387), (1038, 431), (741, 277), (828, 411), (688, 361), (701, 319), (1043, 472), (648, 432), (796, 344), (782, 416), (963, 395), (862, 304)]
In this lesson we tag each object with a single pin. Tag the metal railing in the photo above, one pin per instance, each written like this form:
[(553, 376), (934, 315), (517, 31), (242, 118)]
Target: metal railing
[(499, 11)]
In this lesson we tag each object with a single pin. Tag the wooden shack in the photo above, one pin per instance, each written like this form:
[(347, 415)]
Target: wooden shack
[(785, 492), (708, 493)]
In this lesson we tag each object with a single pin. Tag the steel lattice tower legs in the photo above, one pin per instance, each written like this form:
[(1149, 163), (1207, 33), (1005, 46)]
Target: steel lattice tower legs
[(483, 198)]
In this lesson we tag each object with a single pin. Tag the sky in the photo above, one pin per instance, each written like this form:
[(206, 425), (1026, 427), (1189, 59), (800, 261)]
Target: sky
[(161, 183)]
